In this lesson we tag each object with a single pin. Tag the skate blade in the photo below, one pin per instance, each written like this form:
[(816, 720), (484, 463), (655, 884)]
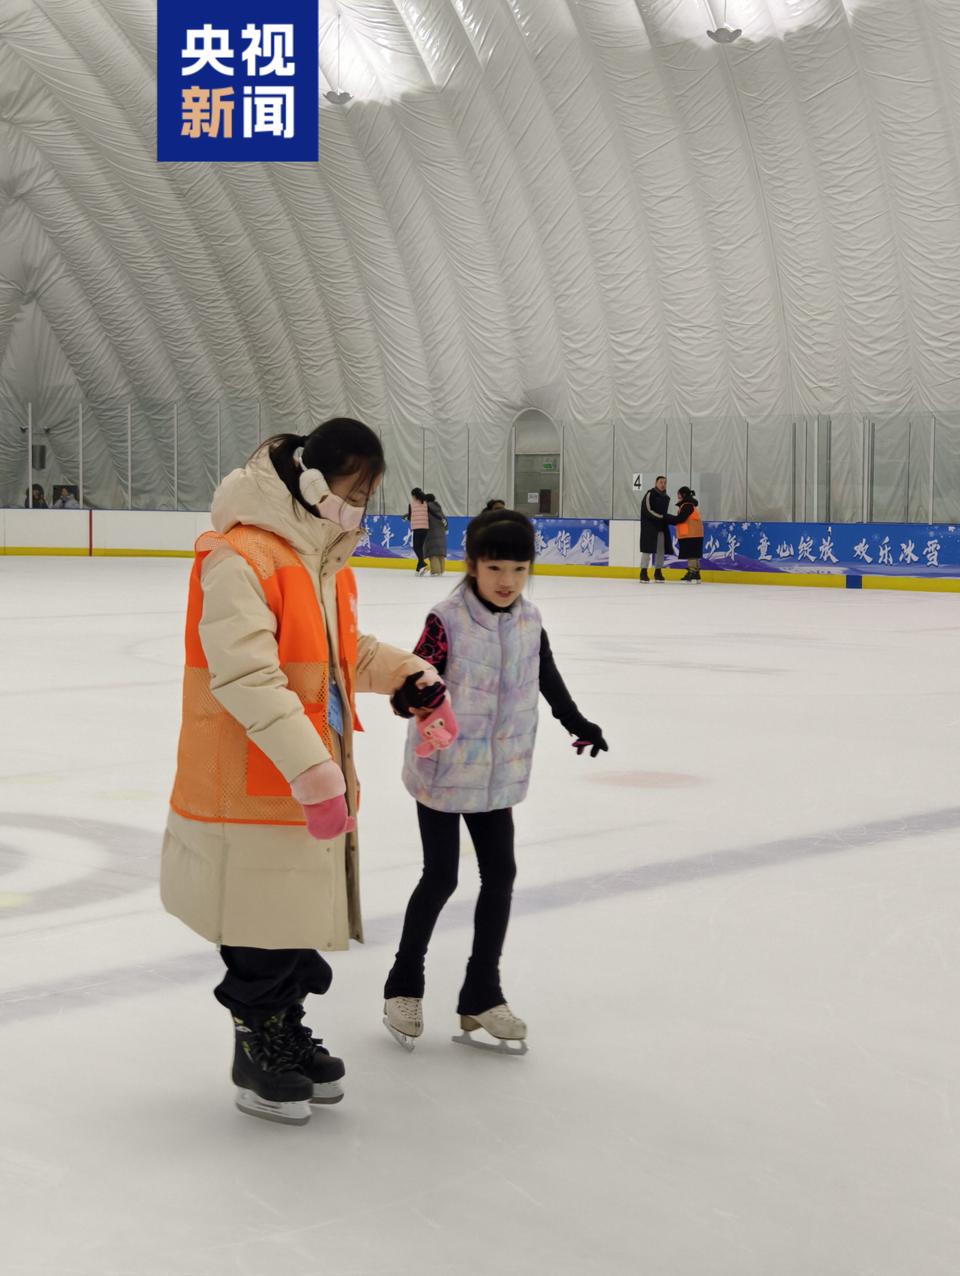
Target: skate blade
[(293, 1113), (407, 1042), (502, 1047), (327, 1092)]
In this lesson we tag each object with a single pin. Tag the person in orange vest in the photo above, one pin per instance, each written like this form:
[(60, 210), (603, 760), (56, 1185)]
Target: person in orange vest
[(260, 854), (689, 528)]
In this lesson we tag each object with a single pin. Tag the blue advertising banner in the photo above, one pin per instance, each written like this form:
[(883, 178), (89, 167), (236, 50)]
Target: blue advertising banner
[(237, 80), (571, 541), (846, 549)]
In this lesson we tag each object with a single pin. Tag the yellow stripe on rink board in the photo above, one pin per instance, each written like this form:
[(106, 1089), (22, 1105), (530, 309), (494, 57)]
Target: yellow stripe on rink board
[(143, 553), (925, 584), (928, 584), (810, 580), (59, 552)]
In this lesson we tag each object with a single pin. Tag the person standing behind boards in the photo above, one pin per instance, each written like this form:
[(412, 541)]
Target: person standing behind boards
[(654, 529), (689, 532), (435, 546), (419, 518)]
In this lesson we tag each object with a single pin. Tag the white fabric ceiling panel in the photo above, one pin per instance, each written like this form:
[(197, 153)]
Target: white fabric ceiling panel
[(584, 206)]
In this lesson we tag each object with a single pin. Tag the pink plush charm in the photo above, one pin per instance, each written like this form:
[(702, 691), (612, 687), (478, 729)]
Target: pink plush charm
[(438, 731), (327, 820)]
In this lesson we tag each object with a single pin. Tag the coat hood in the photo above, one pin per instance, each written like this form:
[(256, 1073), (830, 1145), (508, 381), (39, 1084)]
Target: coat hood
[(256, 496)]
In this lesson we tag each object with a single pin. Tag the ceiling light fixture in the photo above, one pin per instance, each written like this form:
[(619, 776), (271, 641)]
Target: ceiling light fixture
[(337, 95), (724, 33)]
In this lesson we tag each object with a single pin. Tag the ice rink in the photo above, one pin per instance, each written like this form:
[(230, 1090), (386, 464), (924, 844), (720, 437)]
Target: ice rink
[(735, 940)]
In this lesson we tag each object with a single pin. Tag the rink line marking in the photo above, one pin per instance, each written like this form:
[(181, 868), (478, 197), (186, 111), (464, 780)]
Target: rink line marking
[(98, 987)]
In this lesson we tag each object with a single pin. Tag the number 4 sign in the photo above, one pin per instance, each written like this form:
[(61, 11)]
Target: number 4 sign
[(637, 484)]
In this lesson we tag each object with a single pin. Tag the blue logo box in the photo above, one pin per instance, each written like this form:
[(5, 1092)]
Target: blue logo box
[(237, 81)]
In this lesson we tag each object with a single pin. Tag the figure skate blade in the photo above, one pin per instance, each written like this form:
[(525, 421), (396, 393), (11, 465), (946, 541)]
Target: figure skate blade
[(327, 1092), (407, 1042), (517, 1048), (295, 1113)]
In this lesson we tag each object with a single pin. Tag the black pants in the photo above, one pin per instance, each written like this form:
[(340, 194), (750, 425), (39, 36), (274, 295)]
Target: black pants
[(492, 834), (419, 540), (261, 981)]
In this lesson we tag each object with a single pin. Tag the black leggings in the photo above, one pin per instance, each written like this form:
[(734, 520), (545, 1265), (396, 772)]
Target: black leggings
[(419, 540), (262, 981), (492, 835)]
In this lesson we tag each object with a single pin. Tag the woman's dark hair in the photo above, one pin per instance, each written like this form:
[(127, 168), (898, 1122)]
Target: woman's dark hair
[(501, 534), (417, 493), (429, 497), (496, 503), (686, 492), (336, 448)]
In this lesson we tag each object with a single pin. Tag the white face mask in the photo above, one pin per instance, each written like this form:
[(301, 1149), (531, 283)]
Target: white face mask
[(316, 492)]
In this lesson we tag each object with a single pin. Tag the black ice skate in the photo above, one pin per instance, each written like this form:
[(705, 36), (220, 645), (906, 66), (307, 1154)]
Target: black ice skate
[(644, 577), (658, 575), (325, 1070), (688, 575), (269, 1082)]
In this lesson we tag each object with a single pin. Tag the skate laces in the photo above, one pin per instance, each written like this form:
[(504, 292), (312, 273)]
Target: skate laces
[(276, 1044), (299, 1037)]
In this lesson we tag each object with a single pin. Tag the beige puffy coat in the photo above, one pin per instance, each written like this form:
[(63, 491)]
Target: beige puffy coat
[(271, 886)]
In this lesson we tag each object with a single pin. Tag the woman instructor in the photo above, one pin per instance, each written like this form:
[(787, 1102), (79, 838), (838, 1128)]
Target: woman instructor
[(260, 853)]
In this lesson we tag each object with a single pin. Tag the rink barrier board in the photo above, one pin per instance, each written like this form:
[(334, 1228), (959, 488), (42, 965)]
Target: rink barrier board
[(171, 534)]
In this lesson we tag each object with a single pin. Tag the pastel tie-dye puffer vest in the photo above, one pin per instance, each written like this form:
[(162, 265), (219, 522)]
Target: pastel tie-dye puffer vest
[(493, 678)]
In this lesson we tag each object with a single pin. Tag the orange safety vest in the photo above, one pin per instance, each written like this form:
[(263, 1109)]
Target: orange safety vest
[(221, 775), (692, 528)]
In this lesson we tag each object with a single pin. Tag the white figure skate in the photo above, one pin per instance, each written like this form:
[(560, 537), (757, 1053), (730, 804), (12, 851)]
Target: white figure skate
[(500, 1022), (403, 1019)]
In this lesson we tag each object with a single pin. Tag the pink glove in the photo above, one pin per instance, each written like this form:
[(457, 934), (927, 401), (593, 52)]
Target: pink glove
[(327, 820), (320, 790), (438, 730)]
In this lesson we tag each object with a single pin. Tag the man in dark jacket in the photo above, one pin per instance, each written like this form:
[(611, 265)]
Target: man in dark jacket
[(654, 528)]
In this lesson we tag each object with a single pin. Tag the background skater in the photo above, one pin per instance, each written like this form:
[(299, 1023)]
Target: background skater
[(654, 529), (689, 532)]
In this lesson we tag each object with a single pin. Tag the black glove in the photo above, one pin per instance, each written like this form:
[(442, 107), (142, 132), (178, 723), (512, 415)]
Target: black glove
[(587, 734), (409, 696)]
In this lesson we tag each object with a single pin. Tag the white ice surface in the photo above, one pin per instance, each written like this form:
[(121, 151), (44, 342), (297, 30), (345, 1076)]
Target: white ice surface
[(735, 941)]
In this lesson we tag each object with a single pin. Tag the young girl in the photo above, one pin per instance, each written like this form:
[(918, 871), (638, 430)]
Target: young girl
[(488, 643), (260, 856)]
